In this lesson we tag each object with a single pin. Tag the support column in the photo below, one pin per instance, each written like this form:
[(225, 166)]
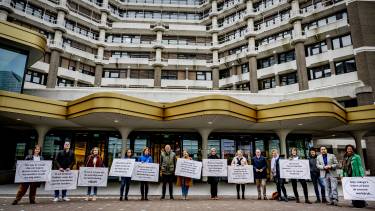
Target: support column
[(98, 75), (215, 78), (42, 131), (370, 152), (3, 15), (157, 76), (253, 74), (53, 68), (303, 80), (282, 133), (205, 132), (358, 136), (124, 131)]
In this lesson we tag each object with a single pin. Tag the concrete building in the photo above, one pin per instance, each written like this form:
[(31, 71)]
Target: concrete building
[(230, 74)]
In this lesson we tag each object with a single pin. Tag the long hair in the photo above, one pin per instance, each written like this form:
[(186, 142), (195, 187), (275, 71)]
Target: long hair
[(126, 153), (40, 149)]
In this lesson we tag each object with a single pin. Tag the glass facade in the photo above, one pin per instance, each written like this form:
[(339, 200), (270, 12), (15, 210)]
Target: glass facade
[(12, 69)]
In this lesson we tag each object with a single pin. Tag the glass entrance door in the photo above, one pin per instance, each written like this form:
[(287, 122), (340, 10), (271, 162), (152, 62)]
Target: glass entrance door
[(158, 142)]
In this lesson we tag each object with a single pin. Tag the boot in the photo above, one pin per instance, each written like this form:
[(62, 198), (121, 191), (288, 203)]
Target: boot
[(307, 201), (297, 200), (15, 202)]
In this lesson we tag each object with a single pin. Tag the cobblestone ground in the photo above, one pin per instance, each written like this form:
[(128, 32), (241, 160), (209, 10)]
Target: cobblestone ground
[(194, 204)]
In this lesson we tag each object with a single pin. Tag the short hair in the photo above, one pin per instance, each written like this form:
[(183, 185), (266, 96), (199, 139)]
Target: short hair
[(258, 150), (275, 151), (312, 149), (322, 146), (144, 149), (213, 148), (294, 148), (349, 145), (239, 151)]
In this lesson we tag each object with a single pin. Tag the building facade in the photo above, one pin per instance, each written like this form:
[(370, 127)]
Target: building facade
[(231, 63)]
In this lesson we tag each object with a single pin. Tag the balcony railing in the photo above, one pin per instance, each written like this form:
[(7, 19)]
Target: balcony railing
[(29, 11)]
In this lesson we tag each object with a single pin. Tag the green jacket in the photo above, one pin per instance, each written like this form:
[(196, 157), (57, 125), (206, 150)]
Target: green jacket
[(357, 169), (167, 163)]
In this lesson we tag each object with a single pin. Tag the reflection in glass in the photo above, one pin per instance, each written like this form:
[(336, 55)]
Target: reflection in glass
[(12, 68)]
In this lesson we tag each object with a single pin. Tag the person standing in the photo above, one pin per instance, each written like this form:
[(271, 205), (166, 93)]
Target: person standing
[(240, 160), (315, 178), (327, 164), (213, 181), (93, 161), (260, 173), (168, 164), (275, 175), (64, 161), (185, 182), (125, 181), (294, 156), (352, 167), (145, 158), (35, 156)]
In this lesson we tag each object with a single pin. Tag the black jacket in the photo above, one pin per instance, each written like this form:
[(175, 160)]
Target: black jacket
[(313, 169), (260, 163), (211, 180), (65, 159)]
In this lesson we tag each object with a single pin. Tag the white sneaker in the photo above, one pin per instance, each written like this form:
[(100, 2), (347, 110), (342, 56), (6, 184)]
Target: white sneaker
[(94, 198), (56, 199), (66, 199)]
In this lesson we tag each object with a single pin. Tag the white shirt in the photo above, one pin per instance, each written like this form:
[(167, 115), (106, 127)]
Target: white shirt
[(36, 158), (273, 165)]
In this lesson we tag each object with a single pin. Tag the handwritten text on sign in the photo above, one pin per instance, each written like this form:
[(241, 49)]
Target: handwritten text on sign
[(33, 171), (359, 188), (188, 168), (240, 174), (90, 176), (122, 167), (148, 172), (62, 180), (294, 169), (215, 168)]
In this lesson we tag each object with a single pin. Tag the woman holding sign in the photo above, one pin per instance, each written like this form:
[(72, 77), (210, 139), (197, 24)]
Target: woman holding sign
[(213, 181), (125, 181), (185, 182), (352, 167), (94, 160), (240, 160), (33, 185), (302, 181), (145, 158)]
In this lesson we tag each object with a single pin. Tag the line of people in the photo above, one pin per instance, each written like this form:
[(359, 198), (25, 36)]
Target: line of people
[(322, 170)]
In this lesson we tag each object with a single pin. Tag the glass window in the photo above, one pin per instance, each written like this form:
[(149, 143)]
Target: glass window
[(214, 144), (245, 68), (345, 66), (288, 79), (267, 83), (319, 72), (229, 149), (286, 57), (192, 147), (266, 62), (12, 69), (316, 48), (340, 42), (139, 144)]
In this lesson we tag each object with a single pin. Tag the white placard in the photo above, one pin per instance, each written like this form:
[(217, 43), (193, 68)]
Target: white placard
[(294, 169), (240, 174), (148, 172), (359, 188), (91, 176), (62, 180), (188, 168), (215, 168), (122, 167), (33, 171)]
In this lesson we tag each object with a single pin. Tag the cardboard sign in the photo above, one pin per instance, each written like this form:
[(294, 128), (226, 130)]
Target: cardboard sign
[(188, 168), (62, 180), (240, 174), (294, 169), (359, 188), (148, 172), (215, 168), (122, 167), (91, 176), (33, 171)]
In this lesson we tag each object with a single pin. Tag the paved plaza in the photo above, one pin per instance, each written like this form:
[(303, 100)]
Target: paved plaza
[(194, 204)]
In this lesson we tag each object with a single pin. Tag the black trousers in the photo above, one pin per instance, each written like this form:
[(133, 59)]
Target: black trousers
[(167, 179), (242, 186), (304, 187), (144, 190), (213, 186), (280, 186)]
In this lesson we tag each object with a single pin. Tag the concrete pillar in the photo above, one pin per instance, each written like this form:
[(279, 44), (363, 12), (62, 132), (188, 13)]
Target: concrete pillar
[(205, 132), (295, 5), (214, 22), (3, 15), (251, 43), (358, 136), (124, 131), (57, 39), (277, 80), (253, 74), (157, 76), (335, 149), (60, 18), (53, 68), (215, 78), (370, 152), (103, 18), (102, 35), (303, 80), (332, 67), (42, 131), (158, 54), (249, 6), (214, 39), (128, 72), (159, 36), (365, 95), (215, 56), (282, 133), (98, 74), (214, 6), (100, 53), (105, 4)]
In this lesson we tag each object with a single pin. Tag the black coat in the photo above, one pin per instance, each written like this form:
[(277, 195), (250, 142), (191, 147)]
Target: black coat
[(211, 180), (313, 169), (259, 163), (65, 159), (31, 157)]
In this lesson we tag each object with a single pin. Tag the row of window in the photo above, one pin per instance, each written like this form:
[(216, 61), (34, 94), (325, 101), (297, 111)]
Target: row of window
[(232, 35), (177, 2), (321, 47), (34, 10), (82, 30), (278, 59), (343, 15), (226, 72), (231, 18)]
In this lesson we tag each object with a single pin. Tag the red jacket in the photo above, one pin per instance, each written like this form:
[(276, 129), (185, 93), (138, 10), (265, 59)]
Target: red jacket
[(90, 161)]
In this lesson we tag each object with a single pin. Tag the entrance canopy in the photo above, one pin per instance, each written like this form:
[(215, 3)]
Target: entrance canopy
[(318, 116)]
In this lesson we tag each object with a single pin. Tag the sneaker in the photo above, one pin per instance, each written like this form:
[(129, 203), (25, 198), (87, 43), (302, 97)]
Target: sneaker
[(87, 198), (308, 201), (15, 202), (317, 201), (171, 198), (126, 198), (120, 198), (56, 199), (66, 199), (162, 198), (265, 198), (259, 198), (324, 200), (94, 198)]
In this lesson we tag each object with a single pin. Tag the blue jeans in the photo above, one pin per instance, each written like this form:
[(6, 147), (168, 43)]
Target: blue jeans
[(125, 181), (315, 178), (57, 193), (89, 191), (184, 187)]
